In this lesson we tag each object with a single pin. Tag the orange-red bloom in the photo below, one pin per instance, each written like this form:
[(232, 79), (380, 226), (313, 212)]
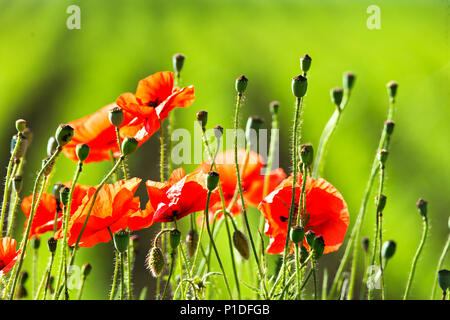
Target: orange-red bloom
[(44, 218), (252, 180), (326, 213), (155, 97), (8, 254), (113, 207)]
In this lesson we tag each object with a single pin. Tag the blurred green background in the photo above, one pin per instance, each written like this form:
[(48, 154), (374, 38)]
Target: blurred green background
[(51, 75)]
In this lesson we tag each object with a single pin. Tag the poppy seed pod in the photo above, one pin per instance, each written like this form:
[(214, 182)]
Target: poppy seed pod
[(52, 242), (422, 206), (241, 84), (218, 132), (365, 243), (63, 134), (174, 238), (307, 154), (202, 118), (82, 151), (389, 127), (52, 145), (57, 191), (336, 96), (21, 125), (191, 242), (64, 195), (381, 203), (388, 249), (21, 148), (305, 63), (392, 89), (273, 106), (297, 234), (382, 156), (155, 261), (212, 180), (121, 240), (178, 62), (319, 247), (310, 238), (348, 81), (299, 86), (129, 145), (86, 269), (444, 279), (17, 183), (35, 242), (241, 244), (116, 116)]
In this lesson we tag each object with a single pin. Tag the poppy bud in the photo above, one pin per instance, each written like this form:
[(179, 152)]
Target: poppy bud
[(57, 191), (319, 247), (64, 134), (52, 242), (444, 279), (392, 89), (241, 84), (381, 203), (121, 240), (64, 195), (134, 238), (35, 242), (310, 238), (305, 63), (218, 132), (191, 242), (17, 183), (212, 180), (388, 249), (299, 86), (273, 106), (382, 156), (365, 243), (82, 151), (348, 81), (241, 244), (389, 127), (21, 148), (129, 145), (297, 234), (336, 96), (155, 261), (48, 167), (174, 238), (253, 123), (178, 61), (307, 154), (21, 125), (86, 269), (202, 118), (23, 277), (116, 116), (303, 254), (422, 206), (52, 145)]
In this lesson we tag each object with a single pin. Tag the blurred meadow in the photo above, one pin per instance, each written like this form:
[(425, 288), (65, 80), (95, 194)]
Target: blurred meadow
[(51, 75)]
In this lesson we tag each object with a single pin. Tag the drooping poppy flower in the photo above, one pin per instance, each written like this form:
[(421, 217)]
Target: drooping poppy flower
[(252, 181), (155, 97), (44, 218), (114, 205), (8, 254), (326, 213)]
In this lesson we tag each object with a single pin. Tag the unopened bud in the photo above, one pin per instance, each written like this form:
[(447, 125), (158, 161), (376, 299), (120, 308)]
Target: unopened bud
[(218, 132), (305, 63), (64, 134), (381, 203), (388, 249), (389, 127), (116, 116), (174, 238), (82, 151), (129, 145), (382, 156), (299, 86), (35, 242), (348, 81), (422, 206), (310, 238), (52, 145), (202, 118), (178, 62), (444, 279), (64, 195), (52, 242), (297, 234), (241, 244), (392, 89), (212, 180), (121, 240), (365, 243), (336, 96), (86, 269), (191, 242), (319, 247), (307, 154), (273, 106), (155, 261), (21, 125), (241, 84), (17, 183)]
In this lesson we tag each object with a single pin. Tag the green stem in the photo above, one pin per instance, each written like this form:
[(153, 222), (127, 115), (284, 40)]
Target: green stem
[(12, 215), (416, 257), (116, 273), (122, 275), (80, 293), (172, 263)]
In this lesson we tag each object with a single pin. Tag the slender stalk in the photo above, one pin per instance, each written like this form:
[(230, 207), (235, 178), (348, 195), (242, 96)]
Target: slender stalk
[(45, 279), (439, 266), (83, 281), (122, 275), (12, 215), (116, 273), (172, 264), (416, 257), (314, 267), (124, 164)]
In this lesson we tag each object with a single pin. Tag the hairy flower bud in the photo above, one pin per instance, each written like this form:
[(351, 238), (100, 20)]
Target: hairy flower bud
[(155, 261), (174, 238), (191, 242), (381, 203), (241, 84), (307, 154), (299, 86), (241, 244), (319, 247)]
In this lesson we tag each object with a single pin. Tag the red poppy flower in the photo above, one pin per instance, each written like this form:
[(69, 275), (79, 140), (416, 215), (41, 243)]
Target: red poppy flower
[(114, 205), (155, 97), (44, 218), (178, 197), (8, 254), (252, 181), (326, 213)]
